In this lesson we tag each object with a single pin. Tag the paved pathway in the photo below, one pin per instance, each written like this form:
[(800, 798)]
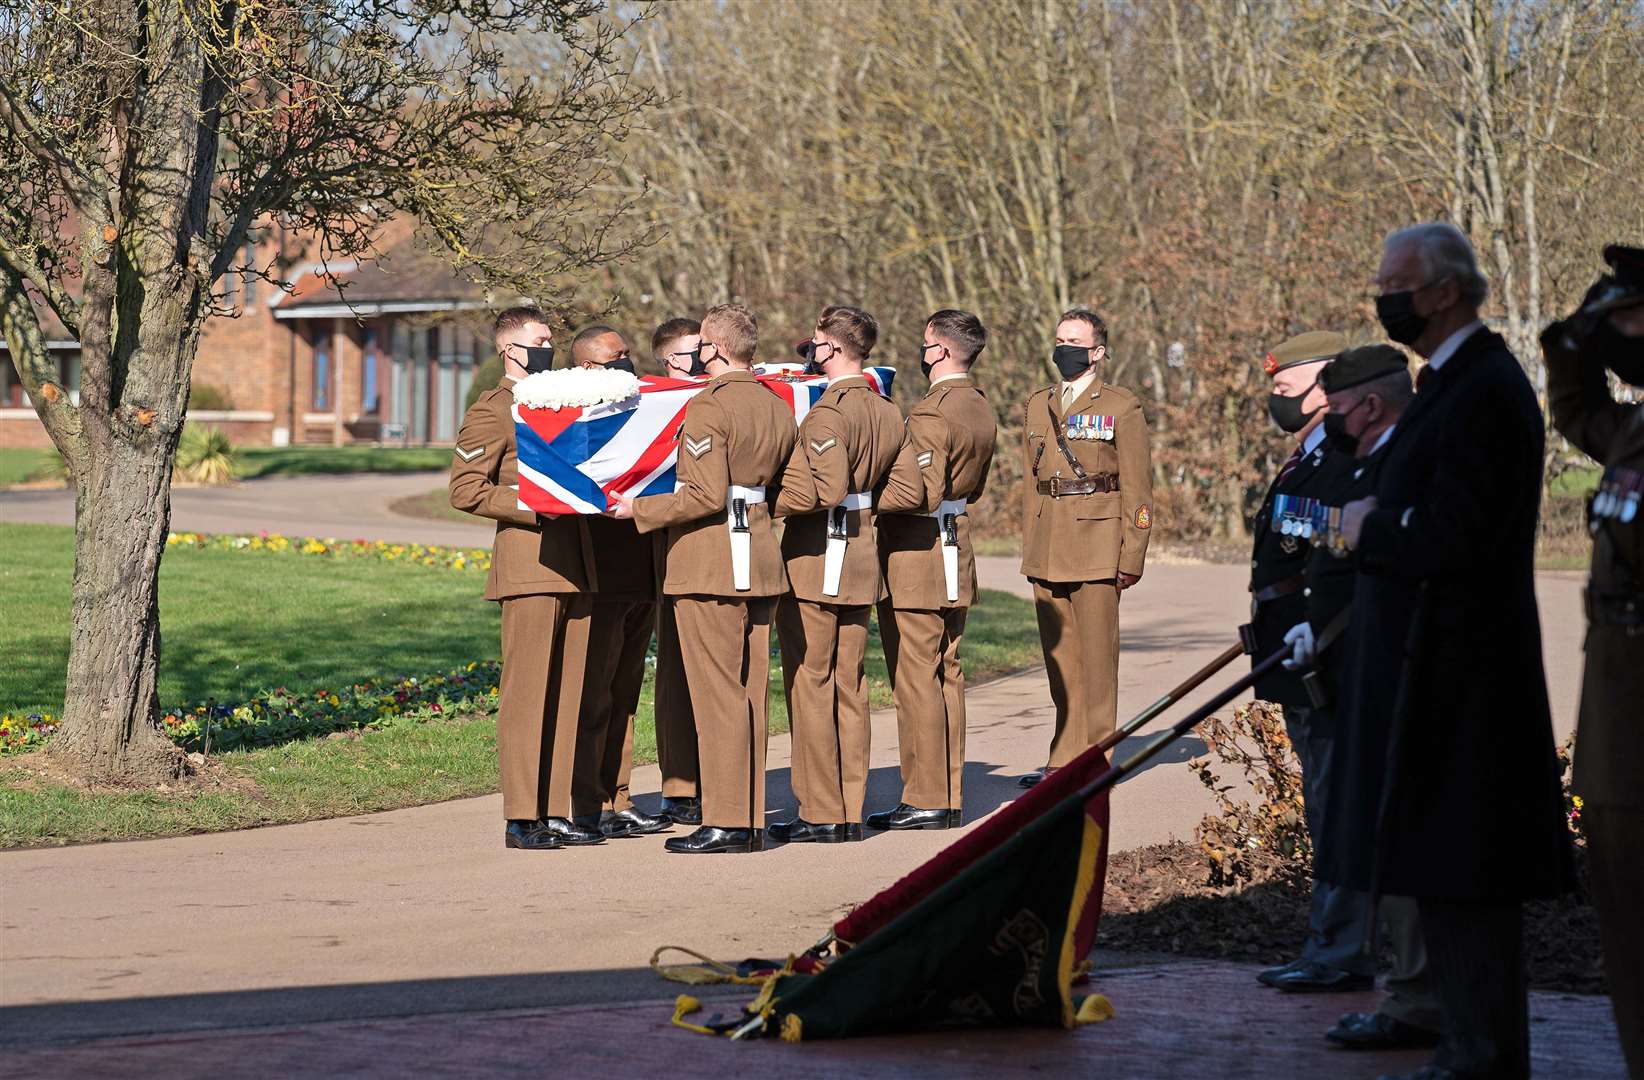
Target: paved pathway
[(422, 910)]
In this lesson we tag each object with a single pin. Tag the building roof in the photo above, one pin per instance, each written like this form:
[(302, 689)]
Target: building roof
[(404, 278)]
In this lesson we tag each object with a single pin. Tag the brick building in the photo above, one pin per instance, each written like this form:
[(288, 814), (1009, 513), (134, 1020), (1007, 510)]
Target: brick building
[(380, 352)]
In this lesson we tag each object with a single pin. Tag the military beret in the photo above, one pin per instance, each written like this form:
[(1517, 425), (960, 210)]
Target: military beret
[(1627, 264), (1621, 287), (1361, 365), (1305, 348)]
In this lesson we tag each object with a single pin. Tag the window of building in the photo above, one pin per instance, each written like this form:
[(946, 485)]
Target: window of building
[(321, 395), (370, 397)]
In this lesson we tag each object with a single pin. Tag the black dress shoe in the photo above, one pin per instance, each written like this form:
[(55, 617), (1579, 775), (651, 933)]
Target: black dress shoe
[(800, 831), (912, 817), (573, 833), (684, 811), (1269, 976), (529, 836), (1376, 1031), (631, 822), (1034, 778), (709, 840), (1318, 979)]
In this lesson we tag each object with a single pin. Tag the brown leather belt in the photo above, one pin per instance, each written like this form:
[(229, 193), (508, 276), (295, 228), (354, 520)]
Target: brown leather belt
[(1278, 588), (1057, 486), (1618, 608)]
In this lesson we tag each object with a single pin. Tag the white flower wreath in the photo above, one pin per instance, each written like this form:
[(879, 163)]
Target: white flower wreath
[(571, 388)]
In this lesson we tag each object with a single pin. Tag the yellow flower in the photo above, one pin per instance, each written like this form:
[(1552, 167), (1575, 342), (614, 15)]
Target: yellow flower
[(334, 700)]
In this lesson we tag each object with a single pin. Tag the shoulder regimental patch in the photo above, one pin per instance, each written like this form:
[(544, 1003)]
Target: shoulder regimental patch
[(1143, 518), (824, 446), (697, 447), (470, 455)]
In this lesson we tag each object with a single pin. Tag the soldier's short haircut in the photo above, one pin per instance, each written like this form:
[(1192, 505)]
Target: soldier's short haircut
[(515, 317), (671, 331), (587, 336), (1097, 324), (960, 331), (852, 327), (1445, 253), (734, 329)]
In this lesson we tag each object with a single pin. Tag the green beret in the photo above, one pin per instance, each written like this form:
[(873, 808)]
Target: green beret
[(1305, 348), (1361, 365)]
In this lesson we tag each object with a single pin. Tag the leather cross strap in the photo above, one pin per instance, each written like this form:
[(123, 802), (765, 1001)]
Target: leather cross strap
[(1279, 588), (1061, 444)]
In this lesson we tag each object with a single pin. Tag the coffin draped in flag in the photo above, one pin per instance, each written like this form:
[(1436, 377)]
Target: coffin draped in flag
[(586, 435), (993, 931)]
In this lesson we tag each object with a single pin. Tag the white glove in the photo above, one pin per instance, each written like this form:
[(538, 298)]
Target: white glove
[(1302, 653)]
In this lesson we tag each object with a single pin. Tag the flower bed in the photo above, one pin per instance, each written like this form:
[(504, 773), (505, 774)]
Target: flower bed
[(450, 558), (279, 716)]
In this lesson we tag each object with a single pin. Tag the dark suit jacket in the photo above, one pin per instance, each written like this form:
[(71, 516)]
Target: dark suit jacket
[(1446, 742)]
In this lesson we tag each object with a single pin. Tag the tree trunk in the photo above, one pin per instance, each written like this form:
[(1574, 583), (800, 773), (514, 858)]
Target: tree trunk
[(122, 515)]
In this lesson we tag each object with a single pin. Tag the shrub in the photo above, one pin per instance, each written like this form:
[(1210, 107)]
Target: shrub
[(1267, 839), (207, 396), (205, 455)]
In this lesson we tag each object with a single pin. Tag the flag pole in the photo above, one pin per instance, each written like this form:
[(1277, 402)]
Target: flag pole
[(1118, 772), (1181, 690)]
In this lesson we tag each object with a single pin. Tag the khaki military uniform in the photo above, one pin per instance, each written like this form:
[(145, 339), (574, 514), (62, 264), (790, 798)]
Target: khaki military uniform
[(735, 432), (852, 443), (542, 572), (1609, 749), (952, 435), (619, 636), (676, 752), (1078, 534)]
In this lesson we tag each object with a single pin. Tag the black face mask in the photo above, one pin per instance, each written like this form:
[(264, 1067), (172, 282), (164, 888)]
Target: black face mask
[(1071, 360), (1397, 314), (1336, 433), (1287, 412), (622, 363), (538, 359), (1621, 354), (926, 365), (699, 366)]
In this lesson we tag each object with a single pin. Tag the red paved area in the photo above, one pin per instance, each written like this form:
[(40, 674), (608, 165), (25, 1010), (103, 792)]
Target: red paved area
[(1191, 1018)]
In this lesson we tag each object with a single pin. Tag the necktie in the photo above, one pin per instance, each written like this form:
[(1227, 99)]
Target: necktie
[(1424, 376), (1289, 466)]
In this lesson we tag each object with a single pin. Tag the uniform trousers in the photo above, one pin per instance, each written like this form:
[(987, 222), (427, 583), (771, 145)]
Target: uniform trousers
[(1079, 632), (1409, 994), (728, 669), (544, 650), (922, 659), (619, 635), (675, 727), (1476, 954), (1615, 852), (1339, 923), (824, 647)]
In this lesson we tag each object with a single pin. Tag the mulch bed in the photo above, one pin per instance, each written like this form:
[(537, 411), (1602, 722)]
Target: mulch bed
[(1158, 900)]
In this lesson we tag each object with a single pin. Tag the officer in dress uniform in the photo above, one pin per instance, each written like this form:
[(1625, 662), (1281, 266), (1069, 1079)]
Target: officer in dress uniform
[(930, 576), (1333, 957), (852, 454), (675, 349), (1367, 389), (1608, 333), (618, 638), (1087, 495), (542, 572), (724, 573)]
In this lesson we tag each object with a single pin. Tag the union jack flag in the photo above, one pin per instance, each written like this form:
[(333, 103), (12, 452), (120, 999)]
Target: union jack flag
[(574, 460)]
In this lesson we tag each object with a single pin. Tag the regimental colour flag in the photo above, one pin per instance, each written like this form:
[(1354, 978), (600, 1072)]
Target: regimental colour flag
[(578, 449)]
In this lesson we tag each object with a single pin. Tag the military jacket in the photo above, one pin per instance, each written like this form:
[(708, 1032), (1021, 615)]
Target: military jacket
[(735, 431), (1609, 751), (1278, 561), (852, 441), (626, 561), (530, 556), (952, 432), (1089, 537), (1331, 573)]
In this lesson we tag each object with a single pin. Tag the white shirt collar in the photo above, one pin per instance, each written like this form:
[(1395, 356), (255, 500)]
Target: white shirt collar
[(950, 378), (1381, 442), (1450, 344), (1311, 442)]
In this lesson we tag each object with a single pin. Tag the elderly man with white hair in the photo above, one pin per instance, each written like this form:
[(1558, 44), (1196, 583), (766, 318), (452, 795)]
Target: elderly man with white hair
[(1446, 728)]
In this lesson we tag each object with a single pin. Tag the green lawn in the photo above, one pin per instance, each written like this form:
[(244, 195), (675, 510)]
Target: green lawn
[(254, 461), (236, 623), (18, 465)]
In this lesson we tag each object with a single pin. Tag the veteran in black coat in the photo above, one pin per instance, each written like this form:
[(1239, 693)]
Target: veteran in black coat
[(1469, 820)]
